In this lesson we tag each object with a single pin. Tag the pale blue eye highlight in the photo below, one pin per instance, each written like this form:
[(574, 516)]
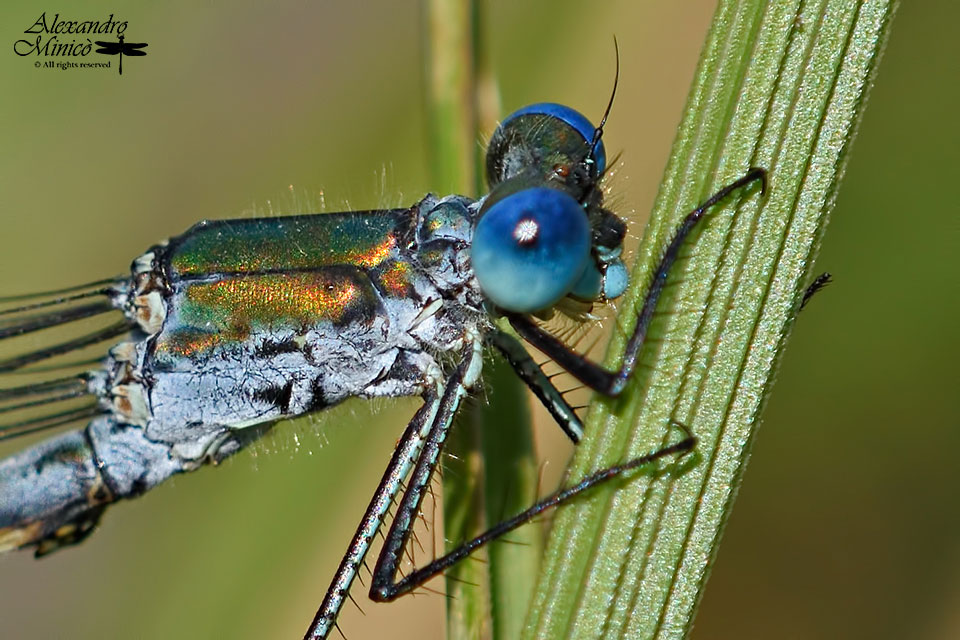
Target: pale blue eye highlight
[(530, 249)]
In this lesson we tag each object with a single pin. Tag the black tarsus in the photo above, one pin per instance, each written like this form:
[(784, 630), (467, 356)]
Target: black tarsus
[(390, 591), (611, 383), (818, 283)]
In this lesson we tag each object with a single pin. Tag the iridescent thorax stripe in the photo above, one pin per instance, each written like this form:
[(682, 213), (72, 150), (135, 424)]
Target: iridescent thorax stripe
[(290, 243)]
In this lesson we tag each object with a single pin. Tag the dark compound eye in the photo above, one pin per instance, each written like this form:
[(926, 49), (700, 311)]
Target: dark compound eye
[(530, 249), (547, 139)]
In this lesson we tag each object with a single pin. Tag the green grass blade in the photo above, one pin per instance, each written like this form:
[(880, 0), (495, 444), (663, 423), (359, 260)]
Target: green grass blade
[(780, 85)]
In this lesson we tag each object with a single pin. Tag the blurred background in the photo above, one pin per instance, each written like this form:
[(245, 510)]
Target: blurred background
[(846, 524)]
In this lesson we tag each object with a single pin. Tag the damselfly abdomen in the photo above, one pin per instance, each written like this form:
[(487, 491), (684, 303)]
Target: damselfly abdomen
[(237, 324)]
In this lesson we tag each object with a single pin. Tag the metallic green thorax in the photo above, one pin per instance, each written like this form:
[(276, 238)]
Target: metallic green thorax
[(286, 274), (362, 238)]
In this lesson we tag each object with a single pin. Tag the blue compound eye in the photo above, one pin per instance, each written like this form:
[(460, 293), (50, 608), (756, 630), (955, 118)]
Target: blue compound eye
[(572, 117), (530, 248), (547, 140)]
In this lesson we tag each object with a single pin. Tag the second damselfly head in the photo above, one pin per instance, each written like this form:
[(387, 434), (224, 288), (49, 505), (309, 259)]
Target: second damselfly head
[(543, 234)]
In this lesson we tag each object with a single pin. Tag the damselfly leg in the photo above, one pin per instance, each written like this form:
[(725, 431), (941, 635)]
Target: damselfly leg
[(533, 376), (611, 383)]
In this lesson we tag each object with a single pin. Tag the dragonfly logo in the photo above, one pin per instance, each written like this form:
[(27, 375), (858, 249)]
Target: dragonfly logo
[(64, 44), (121, 49)]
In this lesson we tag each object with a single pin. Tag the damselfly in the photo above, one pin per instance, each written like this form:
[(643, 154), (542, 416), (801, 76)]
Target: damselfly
[(237, 324)]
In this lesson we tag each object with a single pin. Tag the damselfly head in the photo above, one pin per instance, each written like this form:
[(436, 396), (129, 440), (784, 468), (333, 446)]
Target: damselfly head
[(543, 234)]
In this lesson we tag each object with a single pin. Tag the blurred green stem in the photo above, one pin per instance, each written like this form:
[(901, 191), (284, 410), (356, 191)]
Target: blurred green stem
[(780, 85), (492, 472)]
